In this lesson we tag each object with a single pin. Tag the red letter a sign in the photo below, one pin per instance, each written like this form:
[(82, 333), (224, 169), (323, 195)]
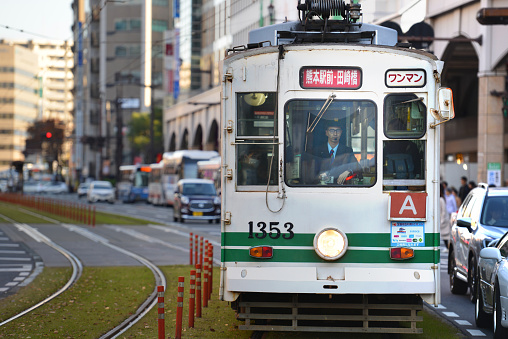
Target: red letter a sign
[(408, 206)]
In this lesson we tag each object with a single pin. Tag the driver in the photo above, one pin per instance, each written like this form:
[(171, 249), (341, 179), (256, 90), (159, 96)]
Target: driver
[(338, 161)]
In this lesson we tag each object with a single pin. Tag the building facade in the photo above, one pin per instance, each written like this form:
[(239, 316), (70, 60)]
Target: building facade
[(19, 89), (120, 73)]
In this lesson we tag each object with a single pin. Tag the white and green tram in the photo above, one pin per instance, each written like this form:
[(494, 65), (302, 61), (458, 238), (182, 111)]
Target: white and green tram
[(342, 241)]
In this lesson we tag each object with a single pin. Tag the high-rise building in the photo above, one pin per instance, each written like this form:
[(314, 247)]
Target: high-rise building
[(121, 73), (18, 99)]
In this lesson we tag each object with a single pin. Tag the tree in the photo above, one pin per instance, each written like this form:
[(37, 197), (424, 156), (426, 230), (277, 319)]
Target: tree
[(46, 138), (139, 134)]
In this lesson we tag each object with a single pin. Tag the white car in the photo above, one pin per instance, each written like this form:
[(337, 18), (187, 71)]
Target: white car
[(55, 187), (83, 189), (492, 297), (101, 191), (32, 186)]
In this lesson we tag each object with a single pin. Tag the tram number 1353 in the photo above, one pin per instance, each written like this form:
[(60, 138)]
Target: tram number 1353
[(274, 231)]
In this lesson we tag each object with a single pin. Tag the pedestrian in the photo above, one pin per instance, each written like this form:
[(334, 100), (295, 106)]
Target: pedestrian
[(471, 185), (464, 189), (458, 201), (451, 204), (445, 217)]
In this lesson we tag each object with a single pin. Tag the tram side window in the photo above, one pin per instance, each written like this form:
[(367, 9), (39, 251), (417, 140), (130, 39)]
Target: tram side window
[(330, 145), (256, 140), (404, 116)]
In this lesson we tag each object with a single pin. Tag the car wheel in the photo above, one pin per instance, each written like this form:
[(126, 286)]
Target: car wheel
[(472, 280), (499, 331), (482, 318), (210, 221), (457, 286), (175, 219)]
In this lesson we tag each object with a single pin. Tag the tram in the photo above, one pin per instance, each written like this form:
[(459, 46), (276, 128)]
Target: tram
[(330, 174)]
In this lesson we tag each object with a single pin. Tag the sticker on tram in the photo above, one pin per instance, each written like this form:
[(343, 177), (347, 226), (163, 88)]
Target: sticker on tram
[(331, 77), (405, 78), (407, 234)]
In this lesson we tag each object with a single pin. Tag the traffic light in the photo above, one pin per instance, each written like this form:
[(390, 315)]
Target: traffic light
[(48, 135), (493, 16)]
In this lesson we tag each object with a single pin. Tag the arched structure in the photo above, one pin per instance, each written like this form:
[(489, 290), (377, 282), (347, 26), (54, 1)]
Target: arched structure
[(199, 117), (197, 142), (476, 71)]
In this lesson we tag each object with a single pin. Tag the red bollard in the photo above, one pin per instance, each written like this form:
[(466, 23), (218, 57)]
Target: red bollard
[(93, 219), (89, 215), (196, 249), (201, 251), (192, 297), (210, 271), (160, 311), (190, 247), (205, 283), (179, 308), (198, 290)]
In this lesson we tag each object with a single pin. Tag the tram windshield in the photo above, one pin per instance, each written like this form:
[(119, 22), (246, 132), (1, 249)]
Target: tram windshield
[(330, 143)]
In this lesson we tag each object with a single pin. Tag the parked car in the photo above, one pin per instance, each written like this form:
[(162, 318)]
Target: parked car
[(55, 187), (196, 199), (83, 189), (492, 298), (32, 187), (482, 218), (101, 191)]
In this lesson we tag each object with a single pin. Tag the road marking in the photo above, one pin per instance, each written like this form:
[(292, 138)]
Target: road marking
[(183, 234), (13, 252), (19, 278), (11, 284), (476, 333), (17, 259), (9, 245), (4, 238), (3, 289), (463, 322), (451, 314)]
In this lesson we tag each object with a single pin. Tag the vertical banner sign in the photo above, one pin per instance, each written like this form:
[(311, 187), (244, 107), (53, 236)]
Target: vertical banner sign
[(169, 56), (176, 63), (494, 173)]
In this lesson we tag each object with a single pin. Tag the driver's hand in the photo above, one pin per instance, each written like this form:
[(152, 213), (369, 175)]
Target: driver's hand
[(342, 177)]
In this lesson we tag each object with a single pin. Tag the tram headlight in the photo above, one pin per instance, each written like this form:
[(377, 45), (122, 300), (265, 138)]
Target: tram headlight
[(330, 244)]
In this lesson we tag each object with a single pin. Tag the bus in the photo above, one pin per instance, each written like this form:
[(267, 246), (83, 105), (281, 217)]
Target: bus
[(156, 185), (133, 185), (330, 185), (210, 169), (182, 165)]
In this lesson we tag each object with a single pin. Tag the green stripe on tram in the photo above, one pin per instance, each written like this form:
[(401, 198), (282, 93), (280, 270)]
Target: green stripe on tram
[(354, 239), (310, 256)]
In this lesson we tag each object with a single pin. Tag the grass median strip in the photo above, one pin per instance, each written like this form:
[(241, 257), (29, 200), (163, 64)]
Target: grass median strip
[(104, 296), (12, 211), (101, 299)]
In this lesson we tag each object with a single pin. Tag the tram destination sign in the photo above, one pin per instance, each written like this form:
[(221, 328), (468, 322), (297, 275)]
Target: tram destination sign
[(330, 77)]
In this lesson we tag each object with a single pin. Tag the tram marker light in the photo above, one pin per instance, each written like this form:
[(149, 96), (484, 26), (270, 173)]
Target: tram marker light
[(401, 253), (330, 244), (262, 252)]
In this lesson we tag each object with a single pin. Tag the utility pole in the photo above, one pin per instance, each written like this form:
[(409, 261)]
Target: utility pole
[(119, 134)]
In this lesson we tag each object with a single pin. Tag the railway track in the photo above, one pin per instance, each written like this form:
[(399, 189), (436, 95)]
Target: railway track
[(142, 310)]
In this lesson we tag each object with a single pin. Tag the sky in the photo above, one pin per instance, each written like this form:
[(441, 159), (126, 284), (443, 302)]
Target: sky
[(39, 19)]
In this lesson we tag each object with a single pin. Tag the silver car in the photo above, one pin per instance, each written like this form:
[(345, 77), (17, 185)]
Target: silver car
[(101, 191), (492, 297)]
